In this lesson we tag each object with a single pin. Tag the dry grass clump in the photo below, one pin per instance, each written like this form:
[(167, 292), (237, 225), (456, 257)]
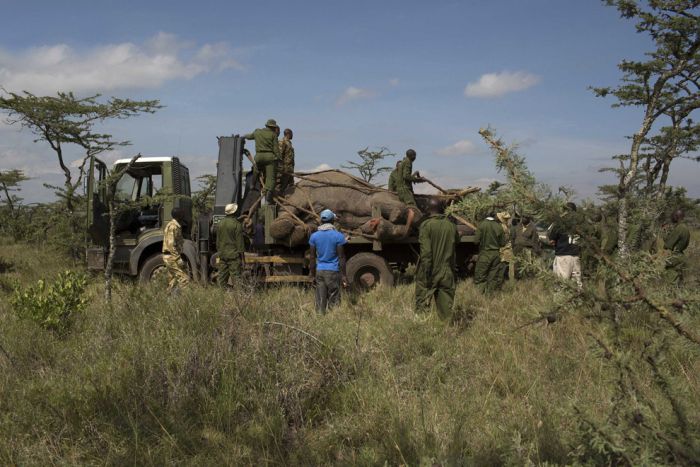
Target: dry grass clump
[(211, 377)]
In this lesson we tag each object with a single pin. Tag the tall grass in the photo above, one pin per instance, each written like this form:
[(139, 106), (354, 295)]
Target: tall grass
[(216, 378)]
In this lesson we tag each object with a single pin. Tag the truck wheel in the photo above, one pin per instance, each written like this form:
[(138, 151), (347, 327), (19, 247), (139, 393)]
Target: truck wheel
[(366, 270), (152, 268)]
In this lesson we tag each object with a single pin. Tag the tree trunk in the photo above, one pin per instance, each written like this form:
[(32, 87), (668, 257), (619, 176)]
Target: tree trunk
[(9, 198), (112, 249)]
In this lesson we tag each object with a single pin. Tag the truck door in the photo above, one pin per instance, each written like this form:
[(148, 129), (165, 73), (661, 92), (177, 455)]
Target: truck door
[(97, 221)]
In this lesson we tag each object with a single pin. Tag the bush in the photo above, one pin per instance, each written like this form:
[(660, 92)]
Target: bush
[(54, 305)]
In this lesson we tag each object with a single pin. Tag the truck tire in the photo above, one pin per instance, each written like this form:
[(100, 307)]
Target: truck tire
[(366, 270), (151, 268)]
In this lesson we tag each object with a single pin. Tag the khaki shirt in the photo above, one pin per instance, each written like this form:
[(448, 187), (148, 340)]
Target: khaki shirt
[(172, 238)]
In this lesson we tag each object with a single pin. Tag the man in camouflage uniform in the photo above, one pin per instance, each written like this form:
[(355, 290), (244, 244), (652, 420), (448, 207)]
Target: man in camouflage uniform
[(488, 274), (286, 162), (229, 245), (526, 243), (507, 258), (267, 154), (435, 275), (676, 242), (172, 252)]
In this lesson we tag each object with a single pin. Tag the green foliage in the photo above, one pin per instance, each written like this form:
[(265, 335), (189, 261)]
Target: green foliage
[(522, 194), (369, 167), (52, 305), (67, 119), (203, 199), (9, 182)]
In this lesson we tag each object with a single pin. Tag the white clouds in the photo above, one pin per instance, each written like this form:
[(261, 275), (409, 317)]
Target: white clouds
[(463, 147), (319, 168), (47, 69), (498, 84), (352, 94)]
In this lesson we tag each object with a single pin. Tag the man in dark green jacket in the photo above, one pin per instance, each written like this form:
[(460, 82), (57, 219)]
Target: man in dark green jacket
[(394, 177), (435, 275), (267, 153), (488, 274), (229, 245), (406, 178), (526, 244), (676, 242)]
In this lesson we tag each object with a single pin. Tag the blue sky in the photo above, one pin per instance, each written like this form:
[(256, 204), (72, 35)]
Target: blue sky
[(343, 76)]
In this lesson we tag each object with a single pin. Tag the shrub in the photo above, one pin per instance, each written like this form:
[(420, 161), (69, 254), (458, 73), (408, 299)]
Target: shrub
[(52, 305)]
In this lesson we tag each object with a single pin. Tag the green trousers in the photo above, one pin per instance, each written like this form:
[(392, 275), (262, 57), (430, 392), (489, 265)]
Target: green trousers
[(229, 268), (266, 164), (675, 267), (489, 272), (406, 196), (438, 285)]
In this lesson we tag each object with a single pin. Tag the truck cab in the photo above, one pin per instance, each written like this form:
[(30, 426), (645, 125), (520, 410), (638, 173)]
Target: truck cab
[(145, 196)]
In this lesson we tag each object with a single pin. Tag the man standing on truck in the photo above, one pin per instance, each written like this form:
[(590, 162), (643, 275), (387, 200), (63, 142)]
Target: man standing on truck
[(267, 154), (172, 252), (394, 177), (327, 262), (406, 179), (229, 245), (435, 275), (488, 273), (286, 162)]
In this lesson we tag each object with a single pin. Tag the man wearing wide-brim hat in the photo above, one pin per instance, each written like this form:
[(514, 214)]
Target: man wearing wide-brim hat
[(267, 153), (229, 245)]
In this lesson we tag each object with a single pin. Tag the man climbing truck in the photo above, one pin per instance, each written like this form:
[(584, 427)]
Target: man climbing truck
[(277, 235)]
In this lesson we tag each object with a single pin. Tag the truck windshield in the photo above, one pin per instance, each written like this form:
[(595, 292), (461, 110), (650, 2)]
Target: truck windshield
[(127, 188)]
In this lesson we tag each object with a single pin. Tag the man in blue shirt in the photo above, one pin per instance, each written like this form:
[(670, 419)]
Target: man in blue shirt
[(327, 262)]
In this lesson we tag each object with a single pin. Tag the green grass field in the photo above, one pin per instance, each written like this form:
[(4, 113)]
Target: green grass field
[(215, 378)]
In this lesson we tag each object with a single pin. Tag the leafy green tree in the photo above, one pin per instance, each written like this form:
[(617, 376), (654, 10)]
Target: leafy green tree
[(65, 119), (370, 166), (9, 182), (665, 85)]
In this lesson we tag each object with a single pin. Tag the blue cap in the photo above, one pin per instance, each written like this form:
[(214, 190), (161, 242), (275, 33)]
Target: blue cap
[(327, 215)]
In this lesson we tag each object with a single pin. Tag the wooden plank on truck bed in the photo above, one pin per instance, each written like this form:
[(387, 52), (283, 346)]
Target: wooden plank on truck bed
[(275, 259), (283, 278)]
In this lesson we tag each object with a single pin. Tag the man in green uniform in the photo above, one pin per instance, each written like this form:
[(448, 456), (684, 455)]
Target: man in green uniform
[(676, 242), (267, 153), (172, 252), (229, 245), (526, 243), (286, 162), (435, 276), (406, 179), (393, 178), (491, 238)]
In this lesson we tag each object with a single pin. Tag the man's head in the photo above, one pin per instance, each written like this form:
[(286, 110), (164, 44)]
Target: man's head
[(435, 206), (327, 215), (288, 133), (411, 154), (526, 220), (596, 216), (231, 209), (271, 124), (178, 214), (570, 207), (677, 216)]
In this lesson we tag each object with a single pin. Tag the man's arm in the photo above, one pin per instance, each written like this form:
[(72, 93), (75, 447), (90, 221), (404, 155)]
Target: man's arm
[(340, 250), (672, 239), (239, 241), (426, 255), (250, 135)]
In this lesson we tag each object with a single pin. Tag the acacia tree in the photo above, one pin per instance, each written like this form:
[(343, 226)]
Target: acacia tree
[(9, 182), (666, 86), (370, 166), (65, 119)]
